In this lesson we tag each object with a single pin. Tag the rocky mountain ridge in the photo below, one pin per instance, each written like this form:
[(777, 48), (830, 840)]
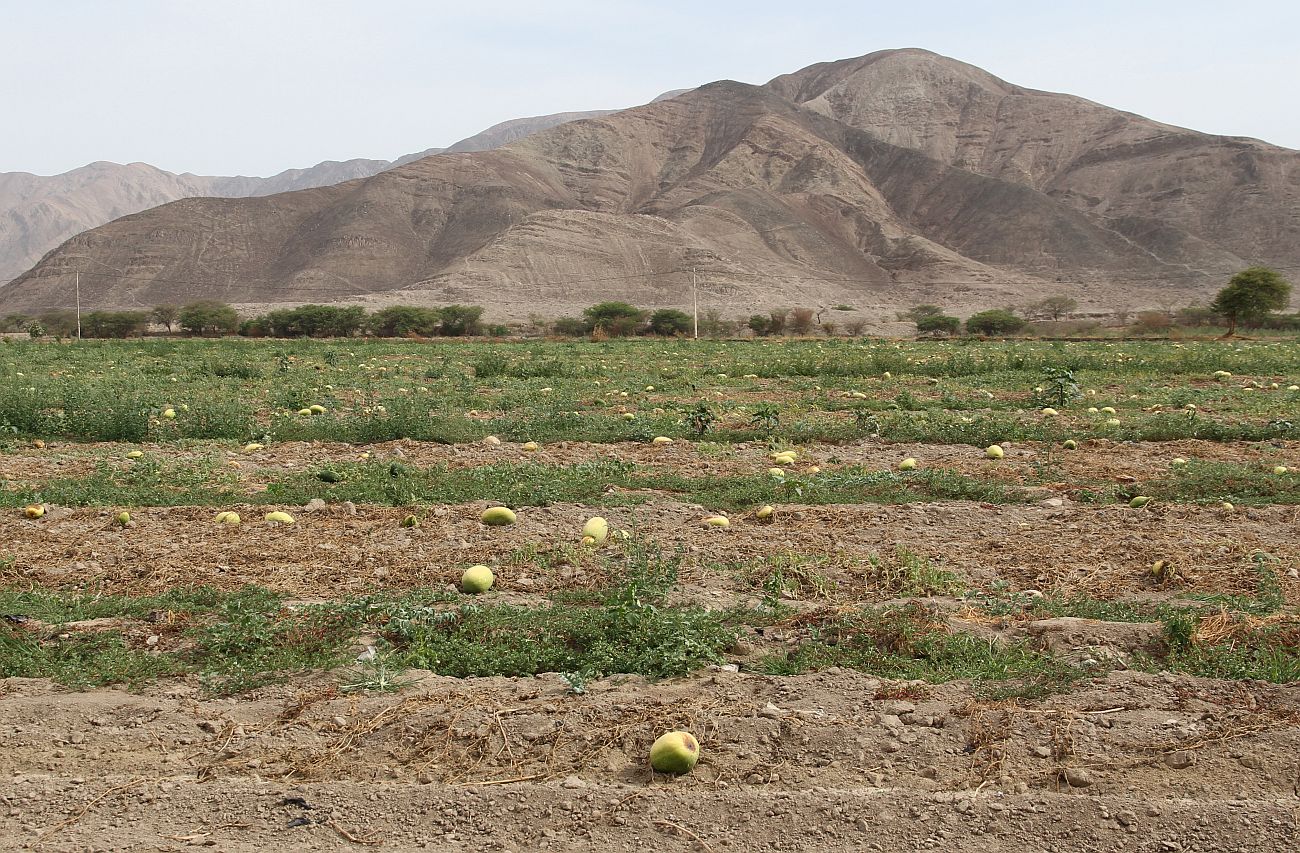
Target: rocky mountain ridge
[(889, 179)]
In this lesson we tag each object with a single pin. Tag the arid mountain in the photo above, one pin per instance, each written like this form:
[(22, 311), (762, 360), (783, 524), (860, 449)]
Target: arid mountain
[(39, 212), (881, 181), (509, 131), (1184, 195)]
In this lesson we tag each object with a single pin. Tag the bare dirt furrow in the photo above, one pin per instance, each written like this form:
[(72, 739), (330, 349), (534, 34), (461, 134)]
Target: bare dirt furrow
[(831, 761)]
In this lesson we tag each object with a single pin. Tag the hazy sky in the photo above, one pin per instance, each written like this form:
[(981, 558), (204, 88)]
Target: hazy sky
[(257, 86)]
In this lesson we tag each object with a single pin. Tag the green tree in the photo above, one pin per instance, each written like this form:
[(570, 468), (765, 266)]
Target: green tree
[(317, 321), (572, 327), (1251, 295), (166, 315), (1055, 307), (255, 327), (208, 317), (399, 321), (618, 319), (61, 323), (938, 324), (345, 322), (917, 313), (712, 324), (458, 320), (114, 324), (996, 321), (670, 322), (760, 325), (1197, 315)]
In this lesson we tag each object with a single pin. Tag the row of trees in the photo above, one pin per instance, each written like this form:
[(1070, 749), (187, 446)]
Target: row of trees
[(1252, 298), (620, 319), (209, 317), (334, 321), (931, 320), (800, 321)]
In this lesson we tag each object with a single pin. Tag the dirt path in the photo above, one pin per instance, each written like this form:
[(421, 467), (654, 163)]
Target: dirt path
[(816, 762)]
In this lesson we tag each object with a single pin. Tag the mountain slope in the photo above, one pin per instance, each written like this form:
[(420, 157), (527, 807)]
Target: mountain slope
[(1171, 189), (890, 179), (38, 212)]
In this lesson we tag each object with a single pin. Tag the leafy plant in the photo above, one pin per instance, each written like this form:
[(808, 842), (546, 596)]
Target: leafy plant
[(701, 418), (1058, 387), (766, 417)]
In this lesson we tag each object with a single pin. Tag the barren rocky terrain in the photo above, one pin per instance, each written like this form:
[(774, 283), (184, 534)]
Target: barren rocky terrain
[(38, 212), (876, 182)]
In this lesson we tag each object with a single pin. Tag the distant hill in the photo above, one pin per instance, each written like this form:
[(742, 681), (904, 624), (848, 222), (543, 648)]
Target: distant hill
[(885, 180), (39, 212)]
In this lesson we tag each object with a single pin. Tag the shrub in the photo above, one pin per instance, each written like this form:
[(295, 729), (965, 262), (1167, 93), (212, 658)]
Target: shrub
[(778, 318), (571, 327), (801, 320), (1282, 322), (996, 321), (114, 324), (760, 325), (670, 322), (617, 319), (854, 328), (712, 325), (254, 327), (208, 317), (1198, 315), (316, 321), (59, 323), (400, 321), (938, 324), (460, 320), (1063, 328), (1152, 322)]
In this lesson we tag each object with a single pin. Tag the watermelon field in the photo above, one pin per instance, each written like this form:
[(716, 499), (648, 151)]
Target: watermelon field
[(922, 595)]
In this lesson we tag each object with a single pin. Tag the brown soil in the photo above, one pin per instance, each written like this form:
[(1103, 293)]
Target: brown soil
[(822, 762), (832, 761), (1069, 549)]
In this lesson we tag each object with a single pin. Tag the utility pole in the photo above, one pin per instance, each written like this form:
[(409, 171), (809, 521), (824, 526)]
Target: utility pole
[(78, 304), (695, 294)]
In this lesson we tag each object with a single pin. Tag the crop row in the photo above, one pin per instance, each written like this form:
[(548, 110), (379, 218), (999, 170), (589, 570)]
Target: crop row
[(148, 481), (234, 641)]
